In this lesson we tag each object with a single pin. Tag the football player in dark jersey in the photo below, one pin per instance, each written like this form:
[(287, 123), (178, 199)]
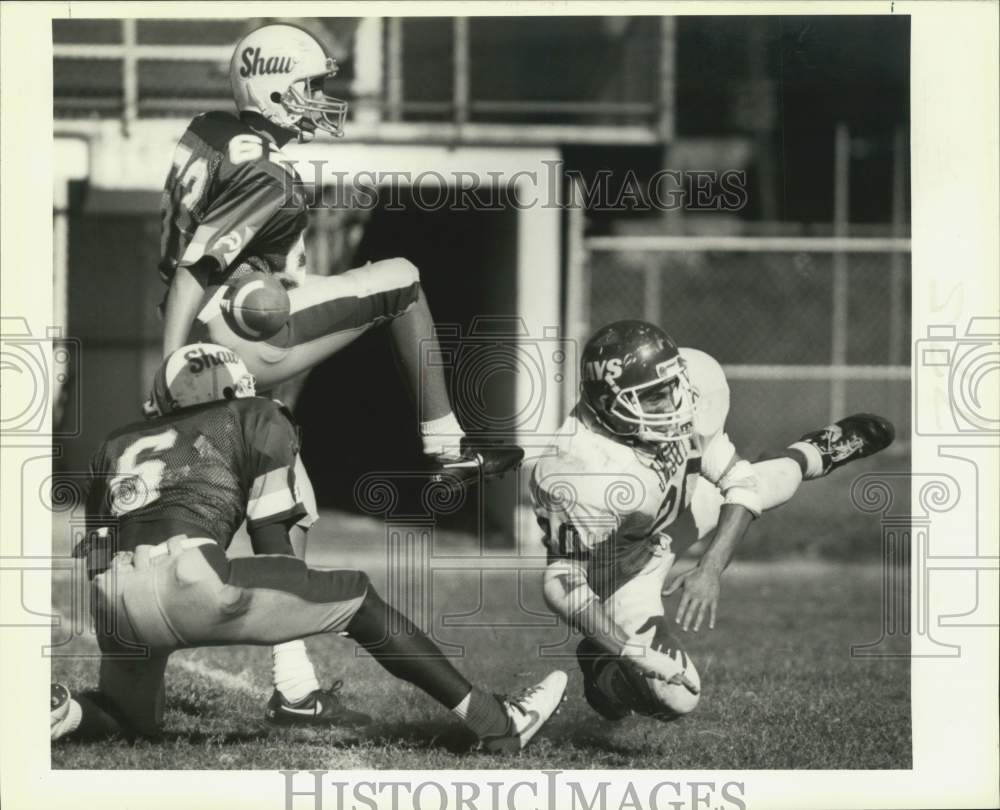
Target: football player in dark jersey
[(232, 203), (166, 497), (231, 194)]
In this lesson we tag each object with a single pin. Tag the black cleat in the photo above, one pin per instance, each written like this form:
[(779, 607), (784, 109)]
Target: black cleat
[(474, 462), (851, 438), (321, 708), (590, 657)]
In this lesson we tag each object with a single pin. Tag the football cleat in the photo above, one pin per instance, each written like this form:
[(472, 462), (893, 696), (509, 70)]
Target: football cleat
[(322, 707), (851, 438), (59, 707), (457, 471), (527, 711), (592, 659)]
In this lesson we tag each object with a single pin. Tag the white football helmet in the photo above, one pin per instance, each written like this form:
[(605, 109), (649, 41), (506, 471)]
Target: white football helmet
[(278, 71), (196, 374)]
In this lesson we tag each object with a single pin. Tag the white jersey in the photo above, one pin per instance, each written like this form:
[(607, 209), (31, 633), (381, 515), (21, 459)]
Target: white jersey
[(593, 493)]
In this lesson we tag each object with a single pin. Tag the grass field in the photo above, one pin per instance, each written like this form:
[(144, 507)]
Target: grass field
[(780, 688)]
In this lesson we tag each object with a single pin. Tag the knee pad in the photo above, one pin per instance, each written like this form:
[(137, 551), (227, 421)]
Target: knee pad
[(388, 274), (406, 270)]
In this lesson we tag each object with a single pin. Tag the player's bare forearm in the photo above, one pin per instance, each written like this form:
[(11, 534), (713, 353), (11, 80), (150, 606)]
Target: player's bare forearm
[(570, 597), (701, 586), (183, 300), (734, 521)]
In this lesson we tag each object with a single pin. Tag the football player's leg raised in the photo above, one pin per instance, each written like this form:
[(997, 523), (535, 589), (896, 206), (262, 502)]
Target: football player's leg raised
[(819, 453), (327, 314)]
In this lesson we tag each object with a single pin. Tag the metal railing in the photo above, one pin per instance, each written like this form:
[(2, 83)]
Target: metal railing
[(647, 121), (670, 280)]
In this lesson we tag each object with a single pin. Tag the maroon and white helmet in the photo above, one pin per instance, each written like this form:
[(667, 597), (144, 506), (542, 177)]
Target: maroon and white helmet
[(635, 382), (197, 374), (279, 71)]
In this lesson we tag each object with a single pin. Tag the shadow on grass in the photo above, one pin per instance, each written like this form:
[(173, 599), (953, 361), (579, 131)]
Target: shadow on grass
[(427, 735)]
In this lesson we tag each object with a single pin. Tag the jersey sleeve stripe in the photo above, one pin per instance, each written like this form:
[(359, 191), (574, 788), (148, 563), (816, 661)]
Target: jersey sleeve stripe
[(270, 504), (270, 495)]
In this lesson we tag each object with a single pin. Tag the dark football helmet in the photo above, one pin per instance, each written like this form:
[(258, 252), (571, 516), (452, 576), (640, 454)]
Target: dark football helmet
[(636, 383)]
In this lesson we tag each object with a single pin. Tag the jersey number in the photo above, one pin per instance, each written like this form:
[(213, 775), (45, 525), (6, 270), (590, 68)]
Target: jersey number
[(137, 483), (567, 540), (190, 176), (672, 505), (245, 147)]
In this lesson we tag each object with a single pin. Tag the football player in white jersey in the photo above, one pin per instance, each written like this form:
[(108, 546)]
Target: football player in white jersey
[(641, 469)]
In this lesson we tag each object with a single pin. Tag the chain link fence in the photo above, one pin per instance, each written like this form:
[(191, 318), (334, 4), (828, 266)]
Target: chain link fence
[(759, 308)]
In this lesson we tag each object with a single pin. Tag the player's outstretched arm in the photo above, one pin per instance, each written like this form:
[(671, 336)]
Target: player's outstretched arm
[(701, 585), (570, 597)]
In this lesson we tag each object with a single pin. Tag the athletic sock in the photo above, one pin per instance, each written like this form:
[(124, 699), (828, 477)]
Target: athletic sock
[(809, 458), (406, 652), (441, 435), (482, 713), (293, 672)]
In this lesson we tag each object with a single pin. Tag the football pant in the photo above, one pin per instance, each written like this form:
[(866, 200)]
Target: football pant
[(327, 314), (185, 593)]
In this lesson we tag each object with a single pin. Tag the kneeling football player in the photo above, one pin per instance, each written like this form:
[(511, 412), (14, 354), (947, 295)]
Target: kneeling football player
[(168, 495), (641, 469)]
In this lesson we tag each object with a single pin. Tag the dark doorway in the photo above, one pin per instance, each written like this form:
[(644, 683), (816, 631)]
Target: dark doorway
[(355, 411)]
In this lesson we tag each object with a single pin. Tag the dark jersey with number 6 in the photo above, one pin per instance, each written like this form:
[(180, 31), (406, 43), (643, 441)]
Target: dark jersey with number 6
[(205, 469), (230, 191)]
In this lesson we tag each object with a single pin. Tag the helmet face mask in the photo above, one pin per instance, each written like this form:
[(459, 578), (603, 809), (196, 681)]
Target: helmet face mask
[(660, 410), (198, 374), (636, 385), (316, 110), (279, 71)]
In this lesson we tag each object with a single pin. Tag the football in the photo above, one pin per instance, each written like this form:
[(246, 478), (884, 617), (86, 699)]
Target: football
[(256, 306), (625, 687)]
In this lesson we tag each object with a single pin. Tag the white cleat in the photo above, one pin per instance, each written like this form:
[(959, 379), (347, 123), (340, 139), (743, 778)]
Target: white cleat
[(527, 711)]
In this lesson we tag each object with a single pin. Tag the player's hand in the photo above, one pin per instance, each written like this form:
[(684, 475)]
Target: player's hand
[(700, 596)]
